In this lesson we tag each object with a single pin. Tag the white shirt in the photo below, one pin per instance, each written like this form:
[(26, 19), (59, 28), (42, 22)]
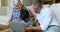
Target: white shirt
[(46, 18)]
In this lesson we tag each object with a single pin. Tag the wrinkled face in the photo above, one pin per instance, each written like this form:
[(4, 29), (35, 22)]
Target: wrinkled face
[(36, 7)]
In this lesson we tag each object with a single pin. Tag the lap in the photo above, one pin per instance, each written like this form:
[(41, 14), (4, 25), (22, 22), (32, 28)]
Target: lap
[(53, 29)]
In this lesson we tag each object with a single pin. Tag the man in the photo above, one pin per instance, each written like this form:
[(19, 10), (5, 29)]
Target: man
[(45, 17)]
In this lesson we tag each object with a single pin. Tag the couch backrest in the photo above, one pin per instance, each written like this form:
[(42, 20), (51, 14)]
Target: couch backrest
[(56, 10)]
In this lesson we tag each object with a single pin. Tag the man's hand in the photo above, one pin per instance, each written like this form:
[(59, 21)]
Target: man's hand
[(37, 24)]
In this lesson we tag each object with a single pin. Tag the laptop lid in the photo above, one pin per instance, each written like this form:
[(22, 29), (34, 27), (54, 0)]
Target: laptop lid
[(17, 27)]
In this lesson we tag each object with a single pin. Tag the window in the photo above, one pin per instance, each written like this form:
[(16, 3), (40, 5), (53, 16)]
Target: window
[(0, 3), (3, 7), (27, 2), (3, 11), (4, 3)]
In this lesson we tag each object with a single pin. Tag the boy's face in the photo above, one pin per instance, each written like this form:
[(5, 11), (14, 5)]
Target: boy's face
[(19, 6)]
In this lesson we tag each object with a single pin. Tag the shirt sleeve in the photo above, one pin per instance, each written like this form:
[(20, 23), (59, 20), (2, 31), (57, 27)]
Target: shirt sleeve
[(47, 19), (12, 16), (12, 13)]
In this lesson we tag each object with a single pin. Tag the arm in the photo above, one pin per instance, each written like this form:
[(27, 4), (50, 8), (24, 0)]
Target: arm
[(48, 16), (11, 18), (32, 28), (35, 28), (34, 16)]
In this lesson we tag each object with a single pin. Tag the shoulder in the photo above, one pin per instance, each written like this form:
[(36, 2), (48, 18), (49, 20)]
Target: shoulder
[(46, 11)]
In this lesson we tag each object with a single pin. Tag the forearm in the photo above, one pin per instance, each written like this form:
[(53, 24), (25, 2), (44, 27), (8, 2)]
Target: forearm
[(34, 19), (35, 28)]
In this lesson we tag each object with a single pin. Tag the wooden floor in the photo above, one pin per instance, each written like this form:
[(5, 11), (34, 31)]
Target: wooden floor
[(5, 30)]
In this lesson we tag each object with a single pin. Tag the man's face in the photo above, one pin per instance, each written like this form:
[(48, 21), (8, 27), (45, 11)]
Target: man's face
[(36, 7)]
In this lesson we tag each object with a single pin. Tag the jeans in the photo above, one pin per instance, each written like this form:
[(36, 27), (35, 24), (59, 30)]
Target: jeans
[(53, 29)]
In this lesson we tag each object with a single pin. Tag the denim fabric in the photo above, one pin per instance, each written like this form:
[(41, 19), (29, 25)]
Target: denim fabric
[(53, 29)]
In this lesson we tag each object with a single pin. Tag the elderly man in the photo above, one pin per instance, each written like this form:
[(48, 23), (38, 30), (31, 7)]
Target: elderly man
[(45, 17)]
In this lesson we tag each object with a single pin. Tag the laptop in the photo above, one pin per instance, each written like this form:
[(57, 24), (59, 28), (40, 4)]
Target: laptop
[(15, 27)]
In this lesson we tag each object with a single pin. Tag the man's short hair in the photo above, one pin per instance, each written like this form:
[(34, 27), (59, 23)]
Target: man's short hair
[(38, 1)]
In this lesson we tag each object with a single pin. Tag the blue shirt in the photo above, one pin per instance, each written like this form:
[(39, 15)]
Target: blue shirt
[(15, 13)]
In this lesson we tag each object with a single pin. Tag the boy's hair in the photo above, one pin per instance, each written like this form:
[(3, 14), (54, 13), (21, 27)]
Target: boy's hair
[(19, 3), (24, 14)]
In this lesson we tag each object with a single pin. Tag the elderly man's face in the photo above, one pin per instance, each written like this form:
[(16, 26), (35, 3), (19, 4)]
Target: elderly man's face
[(36, 7)]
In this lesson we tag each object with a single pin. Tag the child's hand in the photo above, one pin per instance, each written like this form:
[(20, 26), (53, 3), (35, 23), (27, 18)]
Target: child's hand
[(37, 24)]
